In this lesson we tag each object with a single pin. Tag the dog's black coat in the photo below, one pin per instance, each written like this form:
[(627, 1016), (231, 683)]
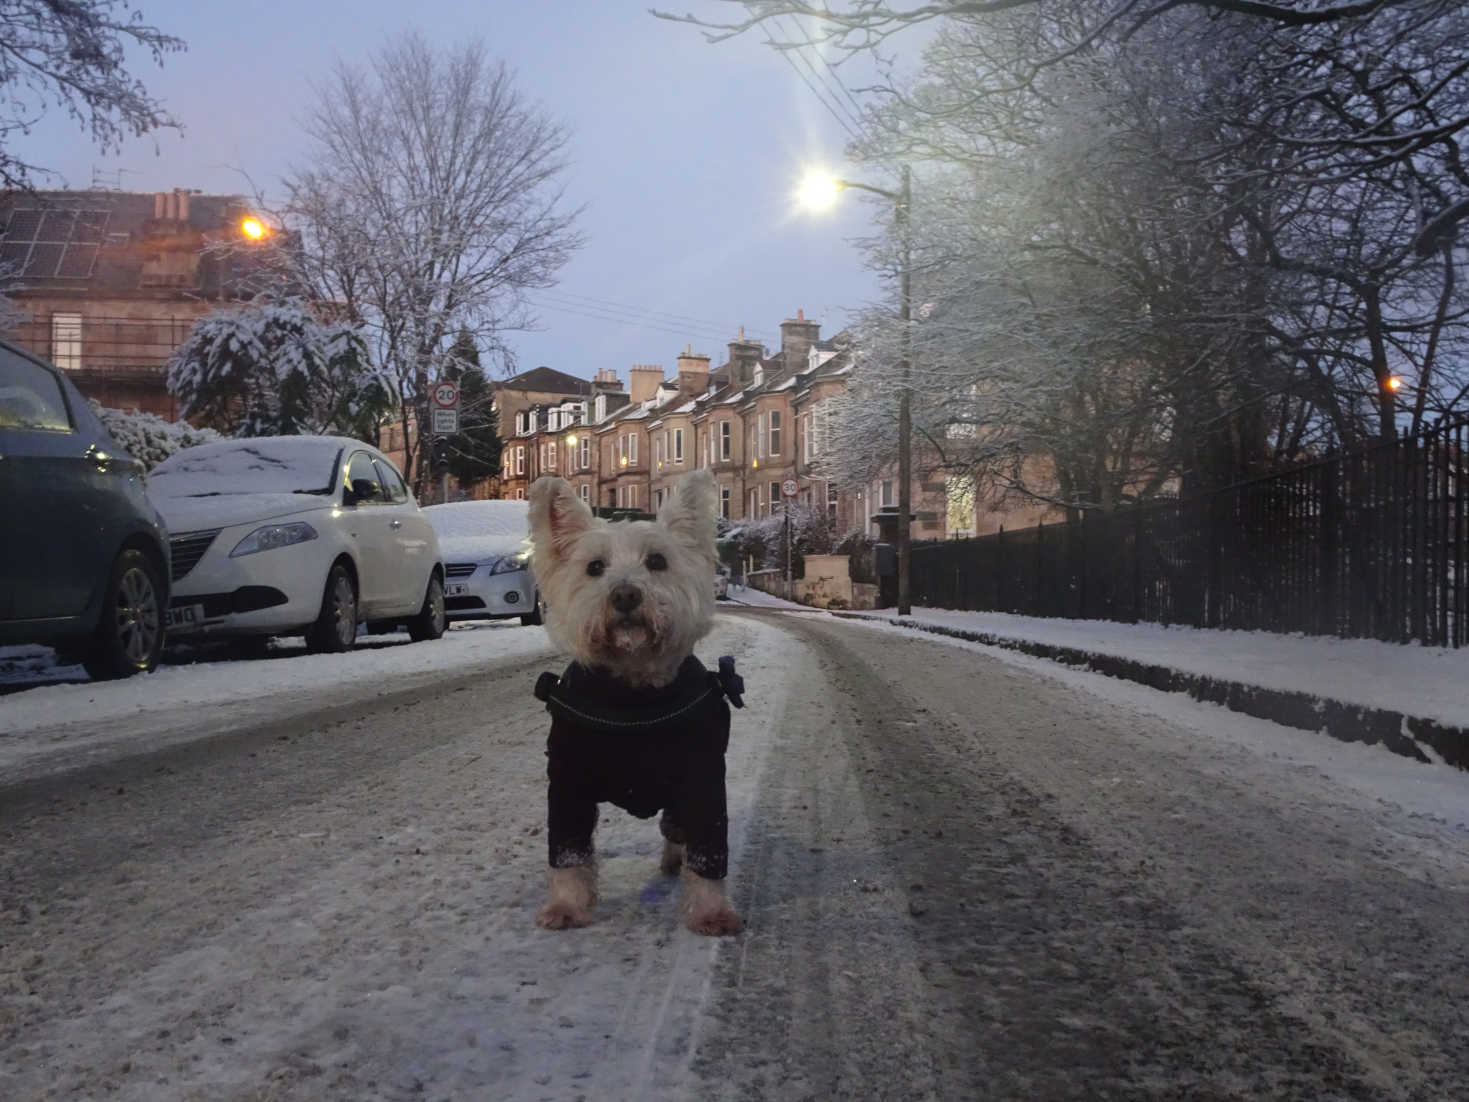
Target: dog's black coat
[(644, 750)]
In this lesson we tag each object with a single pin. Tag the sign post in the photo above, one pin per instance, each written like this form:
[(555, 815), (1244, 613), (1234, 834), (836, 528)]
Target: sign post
[(788, 490), (444, 414)]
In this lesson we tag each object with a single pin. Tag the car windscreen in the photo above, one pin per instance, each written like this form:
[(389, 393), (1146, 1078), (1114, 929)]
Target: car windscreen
[(260, 466)]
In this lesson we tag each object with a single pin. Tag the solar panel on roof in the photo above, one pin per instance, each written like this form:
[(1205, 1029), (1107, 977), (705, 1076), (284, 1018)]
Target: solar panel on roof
[(54, 243), (23, 225), (77, 262), (45, 257)]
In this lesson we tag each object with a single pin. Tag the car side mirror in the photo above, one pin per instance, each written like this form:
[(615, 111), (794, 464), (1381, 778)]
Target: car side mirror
[(359, 489)]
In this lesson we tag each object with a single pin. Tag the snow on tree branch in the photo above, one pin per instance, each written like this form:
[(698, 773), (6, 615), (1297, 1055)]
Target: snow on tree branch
[(73, 54), (271, 368)]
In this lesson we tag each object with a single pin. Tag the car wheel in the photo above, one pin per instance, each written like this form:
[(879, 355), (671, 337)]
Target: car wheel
[(129, 635), (431, 619), (538, 617), (336, 628)]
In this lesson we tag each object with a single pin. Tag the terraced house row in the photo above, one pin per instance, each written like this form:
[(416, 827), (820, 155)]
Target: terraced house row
[(755, 421)]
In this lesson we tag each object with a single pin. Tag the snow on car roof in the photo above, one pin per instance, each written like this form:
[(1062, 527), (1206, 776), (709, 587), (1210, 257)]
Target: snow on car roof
[(467, 528), (255, 465)]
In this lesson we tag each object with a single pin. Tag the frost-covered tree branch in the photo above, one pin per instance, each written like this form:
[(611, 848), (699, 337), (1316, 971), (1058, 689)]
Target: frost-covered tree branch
[(73, 54)]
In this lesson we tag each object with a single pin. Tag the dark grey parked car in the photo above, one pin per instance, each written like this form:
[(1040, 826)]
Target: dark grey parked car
[(84, 564)]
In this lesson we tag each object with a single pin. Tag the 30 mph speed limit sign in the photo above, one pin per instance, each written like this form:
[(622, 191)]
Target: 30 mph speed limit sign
[(788, 487), (446, 395)]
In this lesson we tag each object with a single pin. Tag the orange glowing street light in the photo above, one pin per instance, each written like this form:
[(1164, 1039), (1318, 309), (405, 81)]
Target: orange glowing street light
[(1394, 383), (253, 228)]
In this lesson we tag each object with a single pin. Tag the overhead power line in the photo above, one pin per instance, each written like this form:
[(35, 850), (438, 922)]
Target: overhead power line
[(636, 318), (827, 76), (667, 315)]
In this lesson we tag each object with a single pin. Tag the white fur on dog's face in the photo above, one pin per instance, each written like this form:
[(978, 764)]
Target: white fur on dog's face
[(661, 573)]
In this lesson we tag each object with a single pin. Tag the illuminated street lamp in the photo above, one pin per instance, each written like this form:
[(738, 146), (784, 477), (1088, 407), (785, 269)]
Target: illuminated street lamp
[(253, 228), (818, 192)]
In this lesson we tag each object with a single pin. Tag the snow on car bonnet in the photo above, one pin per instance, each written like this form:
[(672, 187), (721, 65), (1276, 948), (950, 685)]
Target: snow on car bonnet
[(265, 464), (469, 529)]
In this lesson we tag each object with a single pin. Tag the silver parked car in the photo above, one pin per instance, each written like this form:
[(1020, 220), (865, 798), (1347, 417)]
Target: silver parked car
[(486, 550)]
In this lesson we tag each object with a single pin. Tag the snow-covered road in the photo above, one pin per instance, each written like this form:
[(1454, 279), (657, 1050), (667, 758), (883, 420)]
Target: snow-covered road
[(965, 874)]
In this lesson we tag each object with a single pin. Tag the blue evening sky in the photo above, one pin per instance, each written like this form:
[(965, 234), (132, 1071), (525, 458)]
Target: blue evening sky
[(684, 153)]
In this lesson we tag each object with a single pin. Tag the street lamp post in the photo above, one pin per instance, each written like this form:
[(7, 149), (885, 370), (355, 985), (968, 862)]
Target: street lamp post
[(818, 191)]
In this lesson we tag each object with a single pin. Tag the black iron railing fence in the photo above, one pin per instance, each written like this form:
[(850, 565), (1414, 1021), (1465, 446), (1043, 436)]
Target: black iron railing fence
[(1371, 544)]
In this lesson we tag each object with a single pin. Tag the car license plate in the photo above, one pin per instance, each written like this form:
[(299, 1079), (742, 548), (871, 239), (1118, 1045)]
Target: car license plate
[(184, 616), (456, 589)]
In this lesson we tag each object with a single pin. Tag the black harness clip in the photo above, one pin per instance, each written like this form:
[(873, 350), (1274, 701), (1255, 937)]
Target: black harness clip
[(732, 683), (544, 685)]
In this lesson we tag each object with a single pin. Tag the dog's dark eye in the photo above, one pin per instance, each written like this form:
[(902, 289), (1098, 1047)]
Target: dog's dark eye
[(595, 568), (656, 561)]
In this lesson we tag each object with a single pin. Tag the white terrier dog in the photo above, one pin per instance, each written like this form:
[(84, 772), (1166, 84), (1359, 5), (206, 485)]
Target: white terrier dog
[(637, 721)]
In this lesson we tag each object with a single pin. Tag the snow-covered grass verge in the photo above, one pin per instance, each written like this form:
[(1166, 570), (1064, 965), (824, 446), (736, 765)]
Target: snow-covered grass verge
[(1419, 681)]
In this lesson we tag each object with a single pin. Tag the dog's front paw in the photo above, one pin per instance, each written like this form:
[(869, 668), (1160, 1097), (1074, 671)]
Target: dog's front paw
[(563, 916), (722, 922)]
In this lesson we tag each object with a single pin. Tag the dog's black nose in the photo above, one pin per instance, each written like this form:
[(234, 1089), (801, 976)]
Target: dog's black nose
[(625, 598)]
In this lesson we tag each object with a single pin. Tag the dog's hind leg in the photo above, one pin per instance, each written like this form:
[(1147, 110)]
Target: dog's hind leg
[(673, 845), (572, 894), (705, 909)]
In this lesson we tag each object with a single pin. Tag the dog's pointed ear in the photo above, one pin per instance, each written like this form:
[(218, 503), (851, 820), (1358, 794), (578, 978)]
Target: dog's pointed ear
[(557, 518), (689, 513)]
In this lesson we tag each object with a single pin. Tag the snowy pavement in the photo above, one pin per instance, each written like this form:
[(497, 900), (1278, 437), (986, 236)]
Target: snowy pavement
[(370, 935), (965, 872)]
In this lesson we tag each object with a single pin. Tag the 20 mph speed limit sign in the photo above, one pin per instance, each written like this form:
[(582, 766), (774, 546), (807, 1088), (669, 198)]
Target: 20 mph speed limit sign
[(788, 487), (446, 395)]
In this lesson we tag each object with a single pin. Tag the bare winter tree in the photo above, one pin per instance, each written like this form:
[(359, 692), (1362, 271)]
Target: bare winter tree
[(1162, 246), (72, 54), (431, 204), (1331, 40)]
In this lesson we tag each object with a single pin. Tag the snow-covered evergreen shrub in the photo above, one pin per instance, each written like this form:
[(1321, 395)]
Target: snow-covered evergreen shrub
[(271, 367), (147, 437)]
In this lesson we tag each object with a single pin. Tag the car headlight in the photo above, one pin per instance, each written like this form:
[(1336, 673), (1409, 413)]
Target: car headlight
[(272, 536), (509, 564)]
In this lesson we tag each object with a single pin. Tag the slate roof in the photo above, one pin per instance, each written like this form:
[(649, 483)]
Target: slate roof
[(95, 242), (548, 380)]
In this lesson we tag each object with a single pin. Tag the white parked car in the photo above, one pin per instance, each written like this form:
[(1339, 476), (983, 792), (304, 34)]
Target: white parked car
[(284, 535), (486, 548)]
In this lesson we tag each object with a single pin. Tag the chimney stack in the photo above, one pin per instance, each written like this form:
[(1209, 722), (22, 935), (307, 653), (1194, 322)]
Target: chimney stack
[(643, 382), (693, 372), (797, 335), (606, 380), (743, 355)]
